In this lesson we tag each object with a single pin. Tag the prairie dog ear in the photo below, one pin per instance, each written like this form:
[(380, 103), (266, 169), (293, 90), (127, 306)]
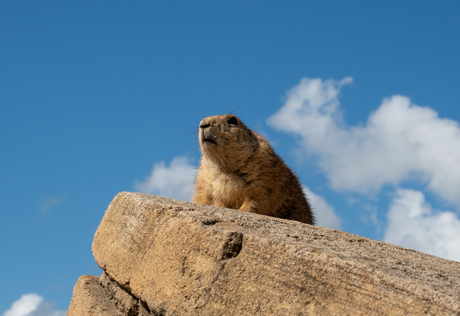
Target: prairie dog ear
[(232, 120)]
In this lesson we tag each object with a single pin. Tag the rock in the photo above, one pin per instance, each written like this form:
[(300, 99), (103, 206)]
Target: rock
[(89, 298), (168, 257)]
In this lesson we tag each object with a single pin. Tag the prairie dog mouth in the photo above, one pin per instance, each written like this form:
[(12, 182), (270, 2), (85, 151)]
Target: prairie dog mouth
[(207, 141)]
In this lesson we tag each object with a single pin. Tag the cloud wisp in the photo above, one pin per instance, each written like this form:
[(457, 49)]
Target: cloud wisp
[(33, 305), (174, 181), (48, 204), (400, 140)]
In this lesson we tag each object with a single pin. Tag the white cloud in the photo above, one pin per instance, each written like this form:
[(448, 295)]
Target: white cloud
[(32, 305), (175, 181), (413, 224), (25, 305), (324, 213), (399, 141)]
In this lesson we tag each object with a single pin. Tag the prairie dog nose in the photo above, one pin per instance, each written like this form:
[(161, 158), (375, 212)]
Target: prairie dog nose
[(205, 123)]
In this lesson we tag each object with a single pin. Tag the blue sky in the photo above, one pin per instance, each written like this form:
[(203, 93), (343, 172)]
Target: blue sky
[(96, 97)]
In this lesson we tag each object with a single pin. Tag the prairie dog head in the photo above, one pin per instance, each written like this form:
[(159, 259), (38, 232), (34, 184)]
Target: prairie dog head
[(226, 140)]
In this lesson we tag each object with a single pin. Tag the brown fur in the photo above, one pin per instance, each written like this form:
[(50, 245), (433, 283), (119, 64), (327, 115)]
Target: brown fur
[(240, 170)]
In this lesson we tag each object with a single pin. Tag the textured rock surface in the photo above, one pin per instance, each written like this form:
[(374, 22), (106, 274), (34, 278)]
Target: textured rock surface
[(168, 257), (89, 298)]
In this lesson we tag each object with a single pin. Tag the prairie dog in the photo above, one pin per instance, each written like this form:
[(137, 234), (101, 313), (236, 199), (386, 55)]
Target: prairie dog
[(240, 170)]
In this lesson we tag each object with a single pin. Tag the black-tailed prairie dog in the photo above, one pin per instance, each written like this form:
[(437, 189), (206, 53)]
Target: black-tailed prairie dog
[(240, 170)]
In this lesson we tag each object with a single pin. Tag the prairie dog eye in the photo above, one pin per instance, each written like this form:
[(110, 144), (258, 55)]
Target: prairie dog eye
[(232, 121)]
